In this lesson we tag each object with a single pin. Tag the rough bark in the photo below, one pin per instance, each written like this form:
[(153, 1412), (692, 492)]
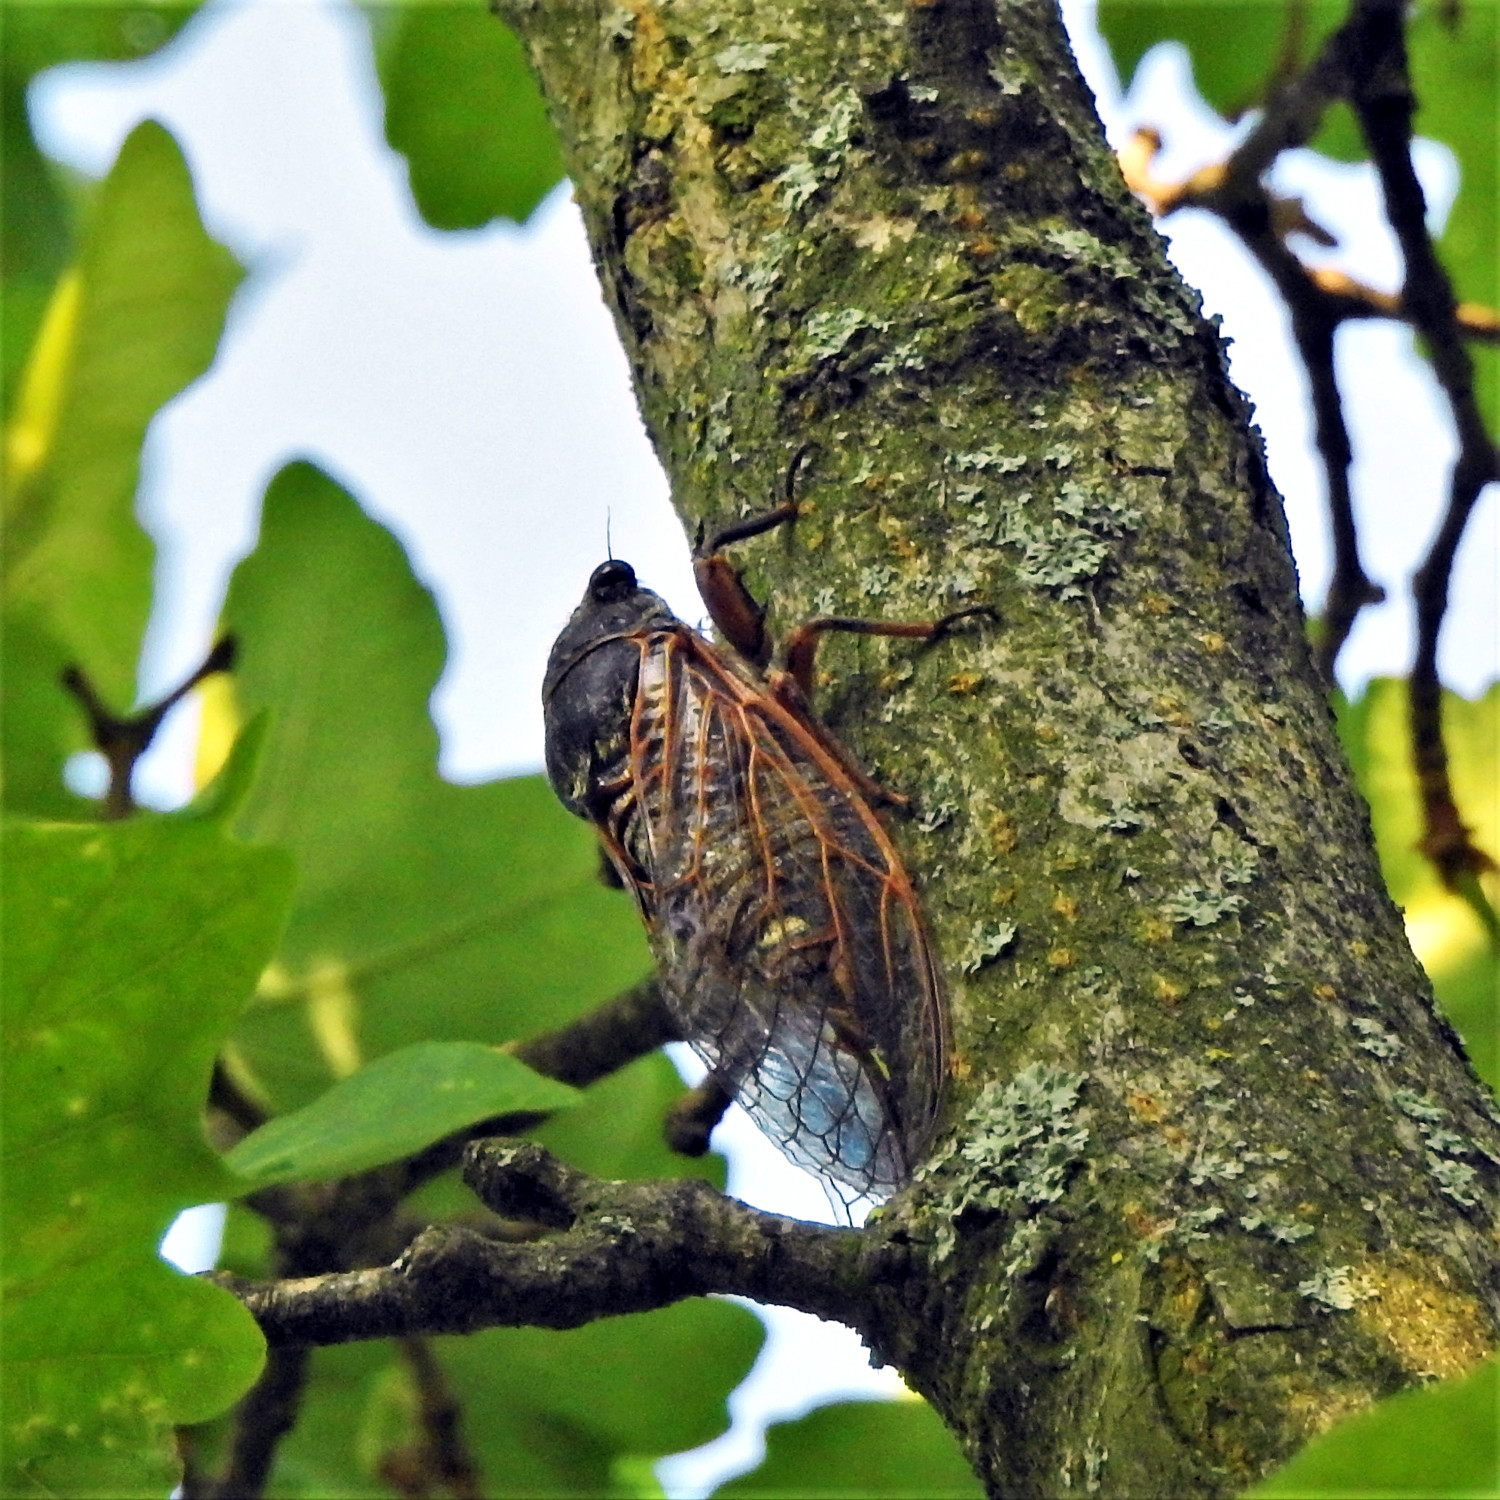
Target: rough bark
[(1215, 1171)]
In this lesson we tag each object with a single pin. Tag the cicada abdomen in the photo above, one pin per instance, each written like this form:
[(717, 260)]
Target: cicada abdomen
[(789, 941)]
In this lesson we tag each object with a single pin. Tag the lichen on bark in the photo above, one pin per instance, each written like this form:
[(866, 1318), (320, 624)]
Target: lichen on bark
[(1184, 1212)]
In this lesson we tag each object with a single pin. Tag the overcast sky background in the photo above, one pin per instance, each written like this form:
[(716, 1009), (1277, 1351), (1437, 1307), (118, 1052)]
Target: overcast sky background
[(469, 389)]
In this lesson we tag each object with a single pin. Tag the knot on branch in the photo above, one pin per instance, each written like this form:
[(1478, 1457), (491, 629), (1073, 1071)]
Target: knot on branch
[(521, 1180)]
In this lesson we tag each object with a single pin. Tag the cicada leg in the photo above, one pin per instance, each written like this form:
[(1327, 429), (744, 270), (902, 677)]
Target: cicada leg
[(793, 683), (737, 616), (691, 1121)]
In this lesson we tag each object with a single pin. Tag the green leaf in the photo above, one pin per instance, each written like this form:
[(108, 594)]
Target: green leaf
[(135, 321), (616, 1132), (394, 1106), (1444, 931), (1429, 1444), (581, 1413), (860, 1448), (36, 228), (561, 1408), (1235, 48), (223, 799), (426, 911), (40, 725), (463, 108), (128, 949)]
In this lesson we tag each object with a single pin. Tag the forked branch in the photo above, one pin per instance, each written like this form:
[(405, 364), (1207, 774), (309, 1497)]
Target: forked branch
[(619, 1247)]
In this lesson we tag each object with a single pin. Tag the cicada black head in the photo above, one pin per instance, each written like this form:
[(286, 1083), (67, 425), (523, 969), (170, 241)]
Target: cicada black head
[(590, 684)]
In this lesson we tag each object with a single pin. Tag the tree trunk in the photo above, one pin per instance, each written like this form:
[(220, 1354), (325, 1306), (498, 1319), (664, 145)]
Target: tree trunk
[(1214, 1172)]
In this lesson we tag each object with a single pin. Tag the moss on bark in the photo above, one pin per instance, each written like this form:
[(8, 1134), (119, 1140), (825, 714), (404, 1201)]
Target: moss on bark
[(1215, 1173)]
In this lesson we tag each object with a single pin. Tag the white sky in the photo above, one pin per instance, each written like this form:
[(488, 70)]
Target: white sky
[(470, 390)]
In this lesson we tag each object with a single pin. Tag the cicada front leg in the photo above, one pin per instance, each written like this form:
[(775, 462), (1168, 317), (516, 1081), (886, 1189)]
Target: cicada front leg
[(741, 621), (737, 616), (792, 682), (800, 654)]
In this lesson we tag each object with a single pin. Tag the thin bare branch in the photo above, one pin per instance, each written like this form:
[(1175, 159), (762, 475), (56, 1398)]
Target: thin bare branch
[(622, 1247), (1383, 100), (603, 1041), (440, 1458), (690, 1122), (263, 1418)]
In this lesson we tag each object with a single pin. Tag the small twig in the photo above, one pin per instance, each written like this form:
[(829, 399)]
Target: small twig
[(1359, 300), (440, 1457), (603, 1041), (624, 1247), (123, 740), (263, 1418)]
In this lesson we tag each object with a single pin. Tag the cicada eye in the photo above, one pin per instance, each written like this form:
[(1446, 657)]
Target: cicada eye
[(611, 580)]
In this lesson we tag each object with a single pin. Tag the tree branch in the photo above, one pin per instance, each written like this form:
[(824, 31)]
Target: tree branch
[(263, 1418), (328, 1229), (1365, 62), (440, 1456), (603, 1041), (1382, 98), (623, 1247)]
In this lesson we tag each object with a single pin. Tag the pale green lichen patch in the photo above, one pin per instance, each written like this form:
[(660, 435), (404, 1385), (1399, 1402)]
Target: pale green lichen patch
[(1201, 904), (746, 57), (1023, 1141), (1443, 1147), (1375, 1039), (1277, 1228), (1336, 1288), (986, 943), (1187, 1227), (1198, 906), (827, 333)]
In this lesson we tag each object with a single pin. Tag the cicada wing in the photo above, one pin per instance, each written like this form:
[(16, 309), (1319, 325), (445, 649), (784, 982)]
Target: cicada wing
[(788, 938)]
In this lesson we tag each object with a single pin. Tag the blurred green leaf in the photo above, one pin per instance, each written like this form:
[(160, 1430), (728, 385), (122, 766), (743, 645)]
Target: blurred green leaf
[(1236, 49), (392, 1107), (617, 1131), (425, 911), (222, 799), (36, 217), (1444, 931), (560, 1409), (1429, 1444), (135, 321), (581, 1413), (128, 949), (462, 107), (40, 725), (859, 1448)]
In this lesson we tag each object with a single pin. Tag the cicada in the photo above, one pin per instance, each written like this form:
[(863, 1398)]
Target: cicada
[(790, 943)]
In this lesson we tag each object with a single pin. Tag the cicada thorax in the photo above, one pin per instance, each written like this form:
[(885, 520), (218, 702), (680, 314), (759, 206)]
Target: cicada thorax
[(788, 939)]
